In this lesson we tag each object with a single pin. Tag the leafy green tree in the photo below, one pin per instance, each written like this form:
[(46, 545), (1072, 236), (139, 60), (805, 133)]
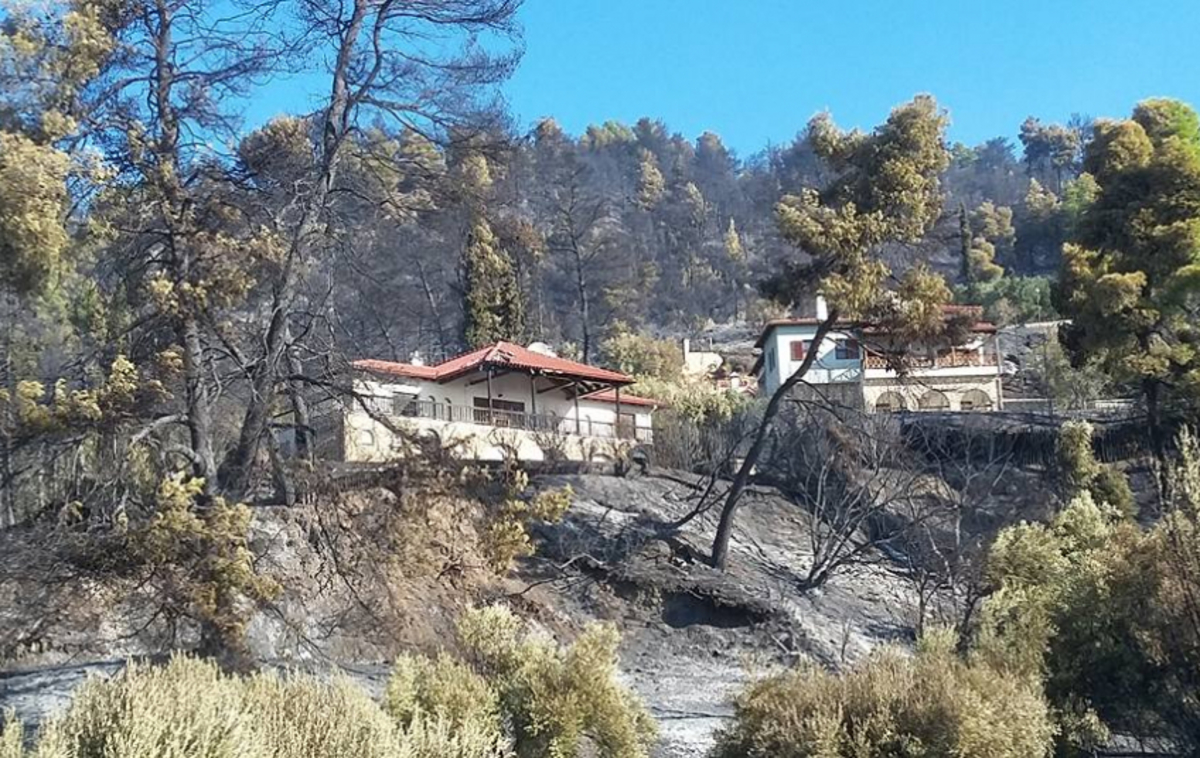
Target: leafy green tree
[(1129, 279), (984, 233), (1018, 300), (735, 253), (886, 190)]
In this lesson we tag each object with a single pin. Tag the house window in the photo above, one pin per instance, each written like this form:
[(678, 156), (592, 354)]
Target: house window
[(404, 405), (890, 402), (934, 400), (976, 400), (503, 412), (846, 350), (799, 348)]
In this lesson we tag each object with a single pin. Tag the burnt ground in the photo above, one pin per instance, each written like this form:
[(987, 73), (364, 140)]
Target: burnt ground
[(691, 635)]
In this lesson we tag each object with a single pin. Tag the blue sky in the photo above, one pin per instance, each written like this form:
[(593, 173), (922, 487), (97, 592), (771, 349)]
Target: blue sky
[(754, 71)]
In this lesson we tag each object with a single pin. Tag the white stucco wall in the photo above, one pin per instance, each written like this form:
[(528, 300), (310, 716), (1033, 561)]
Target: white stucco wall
[(369, 439), (777, 363), (914, 387)]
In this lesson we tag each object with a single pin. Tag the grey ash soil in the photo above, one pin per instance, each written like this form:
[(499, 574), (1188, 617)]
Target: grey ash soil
[(691, 636)]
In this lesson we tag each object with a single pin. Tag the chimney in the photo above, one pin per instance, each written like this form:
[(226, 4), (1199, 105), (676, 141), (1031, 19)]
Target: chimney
[(822, 308), (687, 347), (415, 359)]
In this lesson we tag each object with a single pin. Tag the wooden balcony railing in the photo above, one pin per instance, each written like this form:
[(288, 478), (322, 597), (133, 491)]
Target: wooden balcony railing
[(948, 359), (531, 422)]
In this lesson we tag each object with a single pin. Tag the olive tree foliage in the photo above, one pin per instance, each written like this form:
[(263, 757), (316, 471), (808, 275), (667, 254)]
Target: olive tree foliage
[(883, 188)]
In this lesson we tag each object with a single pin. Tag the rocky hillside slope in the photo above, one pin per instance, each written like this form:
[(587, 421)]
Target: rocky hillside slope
[(691, 635)]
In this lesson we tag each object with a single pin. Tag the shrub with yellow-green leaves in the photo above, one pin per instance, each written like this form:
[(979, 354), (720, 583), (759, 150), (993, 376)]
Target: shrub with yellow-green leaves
[(1081, 472), (548, 700), (1103, 612), (506, 536), (202, 555), (189, 709), (934, 704)]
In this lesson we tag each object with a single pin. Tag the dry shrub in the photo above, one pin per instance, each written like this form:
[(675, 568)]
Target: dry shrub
[(189, 709), (441, 686), (551, 700), (931, 705)]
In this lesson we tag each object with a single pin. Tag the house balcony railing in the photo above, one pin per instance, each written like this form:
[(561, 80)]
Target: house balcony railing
[(544, 423), (948, 359)]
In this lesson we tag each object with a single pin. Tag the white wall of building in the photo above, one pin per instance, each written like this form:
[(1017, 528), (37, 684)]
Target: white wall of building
[(367, 438), (777, 363)]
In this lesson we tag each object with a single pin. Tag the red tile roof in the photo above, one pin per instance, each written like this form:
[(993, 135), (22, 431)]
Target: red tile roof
[(396, 369), (609, 396), (499, 355)]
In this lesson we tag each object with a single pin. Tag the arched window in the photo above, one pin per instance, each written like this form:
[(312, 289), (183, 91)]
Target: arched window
[(890, 402), (976, 400), (366, 438), (934, 401)]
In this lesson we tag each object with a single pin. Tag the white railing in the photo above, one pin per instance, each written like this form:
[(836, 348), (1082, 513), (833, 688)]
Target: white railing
[(532, 422)]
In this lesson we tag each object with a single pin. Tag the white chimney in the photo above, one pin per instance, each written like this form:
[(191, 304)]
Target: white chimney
[(415, 359), (822, 308), (687, 347)]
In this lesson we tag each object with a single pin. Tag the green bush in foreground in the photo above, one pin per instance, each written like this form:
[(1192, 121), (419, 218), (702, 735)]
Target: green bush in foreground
[(514, 694), (553, 699), (929, 705), (190, 709)]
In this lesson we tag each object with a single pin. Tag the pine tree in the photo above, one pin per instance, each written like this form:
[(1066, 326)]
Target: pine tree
[(493, 306), (1131, 276)]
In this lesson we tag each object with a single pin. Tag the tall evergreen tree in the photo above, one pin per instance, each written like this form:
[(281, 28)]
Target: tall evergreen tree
[(493, 303), (1131, 278)]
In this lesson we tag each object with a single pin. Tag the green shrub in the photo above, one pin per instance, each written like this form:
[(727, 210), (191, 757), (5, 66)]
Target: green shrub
[(641, 355), (1081, 472), (930, 705), (551, 697), (442, 688), (189, 709)]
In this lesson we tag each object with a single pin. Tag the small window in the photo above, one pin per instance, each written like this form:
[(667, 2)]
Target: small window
[(976, 400), (405, 405), (846, 350), (933, 400), (771, 360), (799, 348), (890, 402)]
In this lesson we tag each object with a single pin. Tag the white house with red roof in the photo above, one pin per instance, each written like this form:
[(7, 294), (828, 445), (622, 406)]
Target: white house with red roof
[(499, 401), (857, 365)]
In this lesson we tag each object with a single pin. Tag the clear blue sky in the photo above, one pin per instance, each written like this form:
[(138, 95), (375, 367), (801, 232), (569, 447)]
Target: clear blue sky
[(754, 71)]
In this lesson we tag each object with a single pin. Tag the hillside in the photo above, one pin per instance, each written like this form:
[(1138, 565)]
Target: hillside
[(690, 635)]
